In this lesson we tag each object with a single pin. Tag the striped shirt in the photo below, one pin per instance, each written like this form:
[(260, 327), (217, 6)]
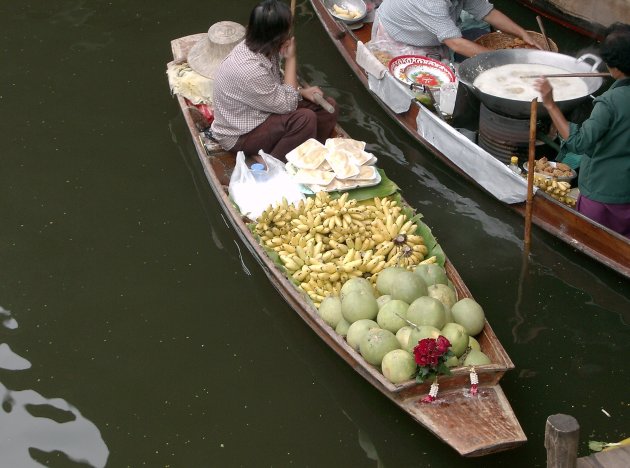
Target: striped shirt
[(248, 88), (427, 22)]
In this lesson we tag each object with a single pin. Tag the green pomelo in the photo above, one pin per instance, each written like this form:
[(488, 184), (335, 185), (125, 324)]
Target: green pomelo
[(376, 343), (382, 300), (357, 305), (342, 327), (458, 337), (468, 313), (476, 358), (398, 366), (403, 336), (473, 343), (452, 361), (392, 315), (427, 311), (442, 293), (356, 284), (420, 333), (431, 273), (356, 331), (330, 310), (387, 278), (408, 287), (448, 313)]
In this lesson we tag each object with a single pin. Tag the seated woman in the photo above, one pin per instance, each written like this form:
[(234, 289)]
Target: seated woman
[(256, 107), (432, 27), (603, 139)]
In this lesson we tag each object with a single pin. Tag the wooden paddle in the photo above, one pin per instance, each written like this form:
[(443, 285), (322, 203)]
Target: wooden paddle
[(530, 173), (318, 98), (542, 31)]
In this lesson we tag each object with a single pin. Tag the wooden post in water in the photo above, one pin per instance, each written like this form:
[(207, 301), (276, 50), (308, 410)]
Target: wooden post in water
[(530, 173), (561, 441)]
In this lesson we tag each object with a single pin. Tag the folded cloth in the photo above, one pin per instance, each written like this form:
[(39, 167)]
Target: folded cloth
[(186, 82), (392, 92), (369, 62)]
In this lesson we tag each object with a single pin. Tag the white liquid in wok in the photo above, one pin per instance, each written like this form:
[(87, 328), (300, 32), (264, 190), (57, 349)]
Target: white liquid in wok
[(506, 81)]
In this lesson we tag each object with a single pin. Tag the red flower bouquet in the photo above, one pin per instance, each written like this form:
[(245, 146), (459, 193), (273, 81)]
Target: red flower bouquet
[(431, 356)]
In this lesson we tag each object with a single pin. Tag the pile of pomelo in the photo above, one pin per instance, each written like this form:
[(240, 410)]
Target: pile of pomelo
[(386, 323)]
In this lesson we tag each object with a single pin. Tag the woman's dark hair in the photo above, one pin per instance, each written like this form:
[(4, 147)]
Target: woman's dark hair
[(269, 27), (615, 49)]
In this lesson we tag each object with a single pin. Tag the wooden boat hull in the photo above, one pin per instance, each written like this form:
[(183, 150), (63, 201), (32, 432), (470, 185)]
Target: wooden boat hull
[(473, 426), (580, 232), (587, 17)]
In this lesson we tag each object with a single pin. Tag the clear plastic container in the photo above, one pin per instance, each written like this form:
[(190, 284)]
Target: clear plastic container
[(259, 172), (514, 165)]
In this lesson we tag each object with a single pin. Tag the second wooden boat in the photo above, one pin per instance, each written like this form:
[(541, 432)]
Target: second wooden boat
[(466, 157)]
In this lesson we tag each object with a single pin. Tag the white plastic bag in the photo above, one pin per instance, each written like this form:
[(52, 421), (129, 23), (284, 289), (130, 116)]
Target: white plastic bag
[(253, 196)]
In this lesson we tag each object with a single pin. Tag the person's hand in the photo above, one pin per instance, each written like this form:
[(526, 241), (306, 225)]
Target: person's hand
[(530, 40), (287, 50), (309, 93), (545, 89)]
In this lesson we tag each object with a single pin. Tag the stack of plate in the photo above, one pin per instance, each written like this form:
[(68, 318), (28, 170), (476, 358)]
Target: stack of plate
[(340, 164)]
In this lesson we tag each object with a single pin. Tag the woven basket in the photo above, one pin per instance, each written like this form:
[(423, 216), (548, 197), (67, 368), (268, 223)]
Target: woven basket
[(500, 40)]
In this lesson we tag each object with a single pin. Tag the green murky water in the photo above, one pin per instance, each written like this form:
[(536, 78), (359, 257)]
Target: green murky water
[(138, 331)]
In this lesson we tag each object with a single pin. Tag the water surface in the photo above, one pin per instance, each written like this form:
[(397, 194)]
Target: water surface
[(138, 331)]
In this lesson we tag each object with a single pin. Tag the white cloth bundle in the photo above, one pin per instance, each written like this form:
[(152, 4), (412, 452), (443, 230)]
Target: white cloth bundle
[(186, 82), (390, 90)]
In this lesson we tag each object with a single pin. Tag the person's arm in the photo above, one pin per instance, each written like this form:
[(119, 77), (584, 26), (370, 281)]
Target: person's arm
[(500, 21), (464, 46), (288, 51), (545, 89)]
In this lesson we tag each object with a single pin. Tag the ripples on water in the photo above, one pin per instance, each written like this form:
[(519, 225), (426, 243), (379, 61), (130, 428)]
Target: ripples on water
[(33, 427)]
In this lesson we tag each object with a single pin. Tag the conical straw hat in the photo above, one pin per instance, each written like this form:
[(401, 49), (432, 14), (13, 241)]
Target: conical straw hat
[(207, 54)]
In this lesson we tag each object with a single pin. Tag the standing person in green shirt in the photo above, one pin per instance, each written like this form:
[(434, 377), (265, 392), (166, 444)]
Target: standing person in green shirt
[(603, 139)]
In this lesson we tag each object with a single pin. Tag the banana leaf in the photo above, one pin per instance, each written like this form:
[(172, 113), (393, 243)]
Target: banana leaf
[(431, 242), (384, 188)]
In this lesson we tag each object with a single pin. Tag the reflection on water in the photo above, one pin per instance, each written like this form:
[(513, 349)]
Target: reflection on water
[(32, 426)]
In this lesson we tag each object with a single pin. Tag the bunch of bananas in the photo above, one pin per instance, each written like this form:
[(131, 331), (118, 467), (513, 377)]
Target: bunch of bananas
[(556, 189), (345, 13), (322, 242)]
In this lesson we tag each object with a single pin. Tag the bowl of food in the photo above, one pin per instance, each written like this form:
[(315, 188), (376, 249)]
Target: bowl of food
[(500, 40), (552, 170), (348, 11)]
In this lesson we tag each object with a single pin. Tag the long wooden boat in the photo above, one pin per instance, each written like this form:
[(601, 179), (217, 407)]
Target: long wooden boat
[(465, 156), (587, 17), (473, 426)]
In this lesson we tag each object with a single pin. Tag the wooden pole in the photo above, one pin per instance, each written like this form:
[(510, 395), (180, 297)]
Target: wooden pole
[(561, 441), (319, 99), (542, 31), (530, 173)]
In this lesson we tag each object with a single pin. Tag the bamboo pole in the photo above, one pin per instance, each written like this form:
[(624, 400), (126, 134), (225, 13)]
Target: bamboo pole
[(292, 15), (530, 173), (542, 31)]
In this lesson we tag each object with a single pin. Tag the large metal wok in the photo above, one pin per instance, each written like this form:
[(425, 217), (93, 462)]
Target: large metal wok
[(470, 68)]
